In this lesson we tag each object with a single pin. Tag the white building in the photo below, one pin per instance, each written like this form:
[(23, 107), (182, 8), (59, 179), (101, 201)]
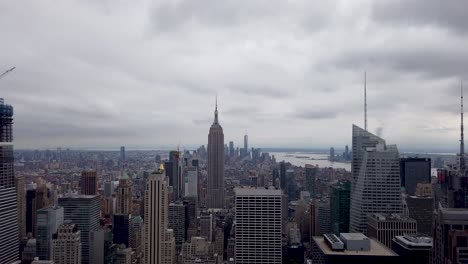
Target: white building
[(66, 245), (258, 226)]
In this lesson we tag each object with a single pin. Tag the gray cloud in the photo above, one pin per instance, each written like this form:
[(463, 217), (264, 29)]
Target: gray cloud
[(316, 114)]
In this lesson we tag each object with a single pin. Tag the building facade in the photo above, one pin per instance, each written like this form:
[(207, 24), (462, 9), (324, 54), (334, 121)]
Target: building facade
[(48, 221), (385, 227), (215, 186), (414, 171), (258, 226), (89, 183), (340, 196), (66, 244)]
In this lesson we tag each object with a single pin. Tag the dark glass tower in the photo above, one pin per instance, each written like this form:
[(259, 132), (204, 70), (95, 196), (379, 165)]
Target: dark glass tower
[(215, 190), (9, 244)]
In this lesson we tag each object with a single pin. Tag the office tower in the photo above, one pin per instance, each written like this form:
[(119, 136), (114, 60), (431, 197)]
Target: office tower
[(159, 240), (347, 155), (137, 237), (215, 188), (340, 195), (122, 153), (376, 179), (177, 222), (121, 227), (101, 246), (191, 186), (9, 243), (84, 211), (414, 171), (413, 249), (385, 227), (123, 255), (332, 154), (421, 208), (323, 217), (350, 248), (258, 222), (310, 172), (21, 204), (283, 176), (246, 145), (206, 226), (450, 236), (31, 217), (231, 149), (66, 244), (89, 184), (175, 177), (48, 221), (124, 195)]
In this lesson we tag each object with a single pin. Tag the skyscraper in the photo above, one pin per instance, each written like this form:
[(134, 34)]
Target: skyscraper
[(89, 183), (258, 226), (159, 240), (310, 172), (414, 171), (339, 204), (283, 176), (376, 179), (231, 149), (84, 211), (9, 243), (101, 246), (123, 204), (122, 153), (215, 188), (175, 178), (66, 244), (177, 222), (21, 203), (48, 221)]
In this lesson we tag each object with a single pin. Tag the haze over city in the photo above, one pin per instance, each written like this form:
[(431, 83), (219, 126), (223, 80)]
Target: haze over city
[(99, 74)]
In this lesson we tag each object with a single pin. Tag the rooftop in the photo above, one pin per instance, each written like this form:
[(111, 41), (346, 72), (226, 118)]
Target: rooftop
[(251, 191), (415, 240), (377, 248)]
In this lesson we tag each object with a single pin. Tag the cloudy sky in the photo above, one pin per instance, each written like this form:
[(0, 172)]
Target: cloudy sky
[(145, 73)]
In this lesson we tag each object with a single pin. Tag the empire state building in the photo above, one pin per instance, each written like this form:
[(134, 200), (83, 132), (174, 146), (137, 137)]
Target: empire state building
[(215, 188)]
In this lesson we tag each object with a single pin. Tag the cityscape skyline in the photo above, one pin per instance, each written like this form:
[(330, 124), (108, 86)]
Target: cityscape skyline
[(308, 60)]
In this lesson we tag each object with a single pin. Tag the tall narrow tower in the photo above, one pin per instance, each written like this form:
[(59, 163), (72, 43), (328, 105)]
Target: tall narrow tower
[(462, 139), (215, 190), (365, 101), (9, 223)]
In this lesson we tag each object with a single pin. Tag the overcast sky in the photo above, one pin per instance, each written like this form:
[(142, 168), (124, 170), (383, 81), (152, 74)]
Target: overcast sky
[(145, 73)]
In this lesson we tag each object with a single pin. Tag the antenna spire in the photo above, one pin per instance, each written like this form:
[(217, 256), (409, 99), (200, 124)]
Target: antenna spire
[(462, 140), (365, 100), (216, 110)]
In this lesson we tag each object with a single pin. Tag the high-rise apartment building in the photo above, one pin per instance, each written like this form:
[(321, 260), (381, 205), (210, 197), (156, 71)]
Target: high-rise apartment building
[(89, 184), (450, 236), (215, 186), (66, 244), (376, 179), (84, 212), (340, 195), (159, 240), (9, 243), (385, 227), (414, 171), (48, 221), (258, 226), (123, 201)]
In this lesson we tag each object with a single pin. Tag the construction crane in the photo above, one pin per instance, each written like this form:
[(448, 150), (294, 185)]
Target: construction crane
[(8, 71)]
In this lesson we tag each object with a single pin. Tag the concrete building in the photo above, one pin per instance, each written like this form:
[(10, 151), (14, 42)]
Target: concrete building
[(137, 238), (376, 179), (323, 217), (340, 196), (206, 226), (350, 248), (191, 186), (9, 242), (414, 171), (159, 240), (66, 244), (421, 209), (450, 236), (48, 221), (413, 249), (102, 249), (123, 255), (29, 252), (21, 205), (84, 211), (215, 166), (258, 226), (89, 183), (385, 227)]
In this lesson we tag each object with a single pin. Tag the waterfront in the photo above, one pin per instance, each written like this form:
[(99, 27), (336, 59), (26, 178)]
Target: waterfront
[(303, 158)]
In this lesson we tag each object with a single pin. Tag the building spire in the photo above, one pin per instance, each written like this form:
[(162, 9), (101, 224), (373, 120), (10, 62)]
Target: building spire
[(365, 100), (216, 110), (462, 140)]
